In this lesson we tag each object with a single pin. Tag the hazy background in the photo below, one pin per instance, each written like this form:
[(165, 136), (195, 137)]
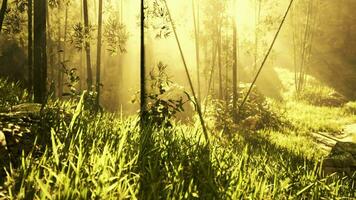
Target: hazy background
[(332, 58)]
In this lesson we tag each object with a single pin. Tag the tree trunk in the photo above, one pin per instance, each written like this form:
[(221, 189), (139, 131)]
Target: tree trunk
[(227, 98), (303, 34), (212, 71), (50, 46), (98, 60), (2, 12), (64, 50), (120, 57), (40, 57), (234, 67), (59, 53), (142, 64), (197, 44), (29, 46), (87, 46), (81, 65), (219, 63)]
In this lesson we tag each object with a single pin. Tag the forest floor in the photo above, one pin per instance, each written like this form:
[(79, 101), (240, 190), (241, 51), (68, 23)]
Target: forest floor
[(105, 156)]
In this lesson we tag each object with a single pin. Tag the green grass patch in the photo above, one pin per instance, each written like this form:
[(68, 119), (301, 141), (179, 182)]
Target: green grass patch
[(307, 117)]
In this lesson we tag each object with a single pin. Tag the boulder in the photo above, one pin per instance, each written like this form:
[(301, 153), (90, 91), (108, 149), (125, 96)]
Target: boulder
[(342, 159)]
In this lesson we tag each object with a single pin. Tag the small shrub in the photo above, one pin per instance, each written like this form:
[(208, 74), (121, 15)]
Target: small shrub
[(257, 113), (11, 94), (164, 99)]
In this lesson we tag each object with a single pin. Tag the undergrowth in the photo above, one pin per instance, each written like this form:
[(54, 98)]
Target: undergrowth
[(11, 94), (106, 157)]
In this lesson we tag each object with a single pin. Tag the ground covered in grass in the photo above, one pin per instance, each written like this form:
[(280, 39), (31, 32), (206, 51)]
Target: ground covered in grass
[(106, 156)]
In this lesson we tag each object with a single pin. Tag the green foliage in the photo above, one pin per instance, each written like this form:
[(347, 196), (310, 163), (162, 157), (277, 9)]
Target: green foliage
[(80, 35), (99, 158), (258, 107), (102, 156), (157, 18), (13, 25), (257, 113), (11, 94), (72, 81), (164, 98), (116, 36)]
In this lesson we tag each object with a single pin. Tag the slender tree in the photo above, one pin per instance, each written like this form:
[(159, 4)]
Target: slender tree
[(59, 52), (303, 35), (227, 43), (212, 71), (197, 43), (64, 48), (142, 64), (50, 52), (220, 62), (98, 59), (29, 46), (2, 13), (87, 46), (234, 67), (81, 65), (40, 57)]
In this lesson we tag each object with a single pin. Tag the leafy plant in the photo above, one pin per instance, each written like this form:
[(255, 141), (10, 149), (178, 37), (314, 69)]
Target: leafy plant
[(11, 94), (81, 35), (165, 98), (157, 18), (72, 80), (116, 35), (257, 113)]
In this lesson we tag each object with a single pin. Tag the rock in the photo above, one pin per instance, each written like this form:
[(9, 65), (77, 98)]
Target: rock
[(342, 159)]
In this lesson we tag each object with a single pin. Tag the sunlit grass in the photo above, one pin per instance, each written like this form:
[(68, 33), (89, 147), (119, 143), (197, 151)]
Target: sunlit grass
[(107, 157), (102, 160), (313, 118), (299, 144)]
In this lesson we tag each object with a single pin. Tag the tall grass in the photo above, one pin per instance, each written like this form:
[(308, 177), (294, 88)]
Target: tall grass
[(104, 157)]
